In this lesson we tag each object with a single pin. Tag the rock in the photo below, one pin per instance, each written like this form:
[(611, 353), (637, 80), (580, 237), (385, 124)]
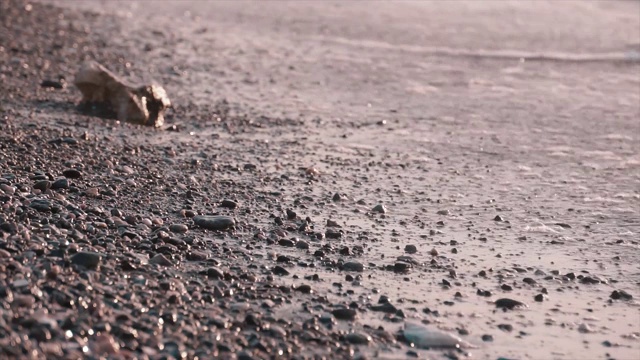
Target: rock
[(72, 174), (353, 266), (52, 84), (160, 259), (443, 212), (423, 337), (302, 245), (229, 204), (215, 273), (214, 222), (401, 267), (344, 314), (505, 327), (410, 249), (179, 228), (379, 209), (498, 218), (61, 183), (509, 304), (280, 271), (585, 328), (385, 308), (141, 105), (620, 294), (287, 242), (88, 259), (487, 338), (42, 185), (41, 205), (357, 338), (506, 287), (539, 298)]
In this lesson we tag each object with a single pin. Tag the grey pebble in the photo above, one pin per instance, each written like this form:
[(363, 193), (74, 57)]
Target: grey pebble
[(353, 266), (88, 259), (379, 209), (214, 222), (160, 259), (179, 228)]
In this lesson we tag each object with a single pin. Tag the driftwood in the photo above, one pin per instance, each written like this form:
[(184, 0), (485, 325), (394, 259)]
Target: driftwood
[(140, 105)]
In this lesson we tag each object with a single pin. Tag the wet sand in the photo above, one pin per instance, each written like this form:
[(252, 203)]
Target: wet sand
[(501, 139)]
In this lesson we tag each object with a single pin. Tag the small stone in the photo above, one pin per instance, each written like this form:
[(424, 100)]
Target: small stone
[(506, 287), (353, 266), (401, 267), (336, 197), (509, 304), (61, 183), (179, 228), (302, 245), (585, 329), (505, 327), (305, 289), (291, 215), (487, 338), (620, 294), (498, 218), (433, 252), (379, 209), (539, 298), (42, 185), (443, 212), (530, 281), (229, 204), (280, 271), (410, 249), (215, 273), (160, 259), (214, 222), (41, 205), (358, 338), (385, 308), (344, 314), (52, 84), (72, 174), (89, 260)]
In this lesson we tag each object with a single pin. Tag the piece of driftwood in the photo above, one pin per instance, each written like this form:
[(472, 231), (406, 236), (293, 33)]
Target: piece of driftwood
[(140, 105)]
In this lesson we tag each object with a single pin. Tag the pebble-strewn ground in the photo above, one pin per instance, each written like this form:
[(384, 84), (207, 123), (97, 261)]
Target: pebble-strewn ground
[(231, 234)]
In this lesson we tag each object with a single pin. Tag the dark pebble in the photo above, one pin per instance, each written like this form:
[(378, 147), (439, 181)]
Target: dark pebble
[(385, 308), (42, 185), (410, 249), (539, 298), (179, 228), (379, 209), (620, 294), (229, 204), (215, 273), (506, 287), (61, 183), (357, 338), (509, 304), (72, 174), (344, 314), (498, 218), (353, 266), (214, 222), (506, 327), (487, 338), (280, 271), (88, 259), (51, 84)]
